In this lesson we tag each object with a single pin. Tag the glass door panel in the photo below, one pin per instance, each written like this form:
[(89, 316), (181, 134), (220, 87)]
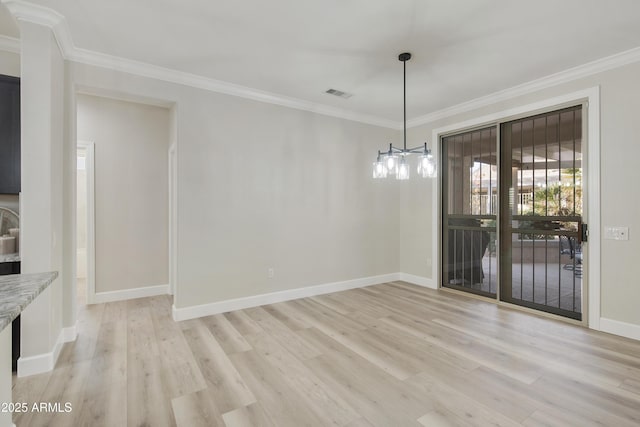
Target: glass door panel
[(470, 205), (541, 216)]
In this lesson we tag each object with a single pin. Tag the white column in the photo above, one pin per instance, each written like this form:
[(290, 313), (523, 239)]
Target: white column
[(42, 115)]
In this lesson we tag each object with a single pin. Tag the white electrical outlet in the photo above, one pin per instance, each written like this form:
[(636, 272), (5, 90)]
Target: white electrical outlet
[(616, 233), (271, 272)]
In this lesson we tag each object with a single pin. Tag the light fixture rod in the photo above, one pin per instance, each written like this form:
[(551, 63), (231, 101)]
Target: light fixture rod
[(404, 57), (404, 91)]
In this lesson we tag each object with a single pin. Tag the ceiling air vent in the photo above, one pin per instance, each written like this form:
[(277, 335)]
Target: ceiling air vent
[(339, 93)]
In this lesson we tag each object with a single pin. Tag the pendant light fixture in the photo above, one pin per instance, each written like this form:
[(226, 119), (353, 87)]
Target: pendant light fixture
[(394, 161)]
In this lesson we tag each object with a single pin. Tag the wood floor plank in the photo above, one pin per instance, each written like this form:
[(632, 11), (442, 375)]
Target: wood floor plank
[(377, 395), (141, 336), (242, 322), (469, 385), (280, 333), (112, 338), (449, 400), (560, 356), (29, 390), (393, 354), (227, 336), (198, 409), (287, 316), (282, 404), (114, 311), (360, 422), (327, 314), (631, 385), (478, 351), (249, 416), (106, 369), (414, 343), (69, 380), (557, 418), (580, 396), (223, 380), (146, 393), (182, 373), (442, 418), (103, 407), (316, 395)]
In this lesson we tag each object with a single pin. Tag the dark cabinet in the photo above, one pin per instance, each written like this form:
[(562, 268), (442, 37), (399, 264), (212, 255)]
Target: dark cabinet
[(9, 135), (9, 268)]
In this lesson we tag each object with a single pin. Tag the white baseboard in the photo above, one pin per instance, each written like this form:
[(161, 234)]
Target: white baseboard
[(275, 297), (125, 294), (46, 362), (70, 333), (623, 329), (418, 280)]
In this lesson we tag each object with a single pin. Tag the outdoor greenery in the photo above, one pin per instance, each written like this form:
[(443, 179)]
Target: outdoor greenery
[(560, 198)]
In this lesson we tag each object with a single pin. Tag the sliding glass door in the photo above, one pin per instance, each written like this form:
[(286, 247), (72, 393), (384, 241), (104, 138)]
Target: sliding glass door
[(537, 165)]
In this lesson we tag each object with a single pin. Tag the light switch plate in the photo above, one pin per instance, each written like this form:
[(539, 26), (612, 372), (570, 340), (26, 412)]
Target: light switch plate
[(616, 233)]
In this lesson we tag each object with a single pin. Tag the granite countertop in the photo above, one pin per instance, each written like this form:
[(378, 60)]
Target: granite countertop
[(10, 257), (18, 290)]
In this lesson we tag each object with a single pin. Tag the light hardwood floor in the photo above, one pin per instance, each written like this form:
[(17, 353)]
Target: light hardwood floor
[(386, 355)]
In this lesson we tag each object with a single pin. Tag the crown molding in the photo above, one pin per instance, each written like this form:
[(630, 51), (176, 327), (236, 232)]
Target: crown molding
[(9, 44), (607, 63), (36, 14), (187, 79), (29, 12)]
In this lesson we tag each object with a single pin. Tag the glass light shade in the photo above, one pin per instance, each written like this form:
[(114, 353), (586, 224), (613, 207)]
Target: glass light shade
[(403, 170), (427, 166), (379, 169), (391, 161)]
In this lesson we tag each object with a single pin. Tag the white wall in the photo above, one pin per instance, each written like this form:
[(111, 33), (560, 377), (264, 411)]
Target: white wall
[(264, 186), (620, 147), (9, 63), (131, 192)]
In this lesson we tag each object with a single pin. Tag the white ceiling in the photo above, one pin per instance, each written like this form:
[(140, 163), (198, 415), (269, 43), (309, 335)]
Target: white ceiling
[(461, 49)]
